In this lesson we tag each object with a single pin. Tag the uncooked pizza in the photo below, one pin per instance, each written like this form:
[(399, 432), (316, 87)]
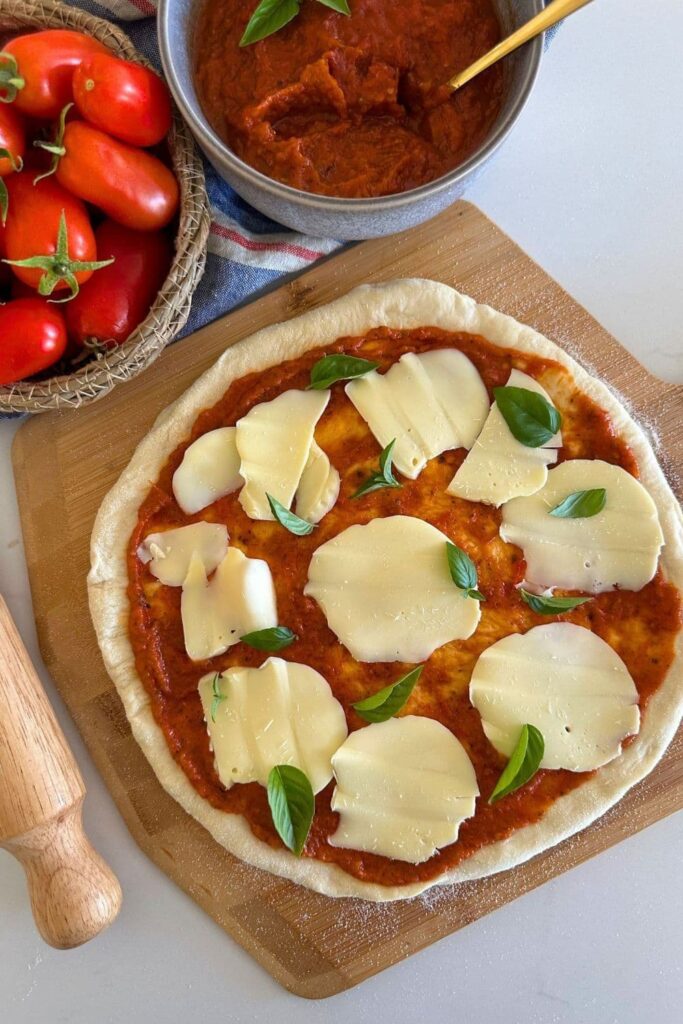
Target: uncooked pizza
[(391, 595)]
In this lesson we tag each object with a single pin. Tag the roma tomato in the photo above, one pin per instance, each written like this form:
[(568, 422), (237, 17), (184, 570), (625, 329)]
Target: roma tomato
[(131, 186), (36, 70), (32, 337), (110, 306), (12, 139), (123, 99), (32, 242)]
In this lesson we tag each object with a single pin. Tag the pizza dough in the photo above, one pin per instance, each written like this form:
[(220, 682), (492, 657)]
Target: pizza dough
[(399, 304)]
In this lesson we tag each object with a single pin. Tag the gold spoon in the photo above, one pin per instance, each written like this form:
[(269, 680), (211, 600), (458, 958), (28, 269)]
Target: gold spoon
[(553, 13)]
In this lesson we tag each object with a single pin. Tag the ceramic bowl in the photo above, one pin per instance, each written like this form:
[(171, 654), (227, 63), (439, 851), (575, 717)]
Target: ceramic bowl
[(328, 216)]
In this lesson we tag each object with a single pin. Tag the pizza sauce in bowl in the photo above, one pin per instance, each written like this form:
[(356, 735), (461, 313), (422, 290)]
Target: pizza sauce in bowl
[(350, 106)]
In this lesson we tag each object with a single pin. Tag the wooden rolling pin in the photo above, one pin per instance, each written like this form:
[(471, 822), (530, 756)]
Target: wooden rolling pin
[(74, 894)]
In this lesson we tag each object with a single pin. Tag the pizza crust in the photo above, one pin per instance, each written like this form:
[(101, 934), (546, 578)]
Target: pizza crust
[(409, 303)]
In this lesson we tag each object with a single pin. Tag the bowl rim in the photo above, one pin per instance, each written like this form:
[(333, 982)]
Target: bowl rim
[(217, 150)]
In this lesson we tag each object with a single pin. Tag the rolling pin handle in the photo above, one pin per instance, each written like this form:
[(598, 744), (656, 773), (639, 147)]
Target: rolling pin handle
[(74, 894)]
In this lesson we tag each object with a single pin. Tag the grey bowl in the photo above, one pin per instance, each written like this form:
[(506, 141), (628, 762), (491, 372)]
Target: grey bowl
[(324, 215)]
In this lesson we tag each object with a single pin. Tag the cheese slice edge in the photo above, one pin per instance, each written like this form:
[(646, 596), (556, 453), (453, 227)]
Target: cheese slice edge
[(210, 469), (389, 803), (552, 677), (498, 466), (281, 713), (168, 553), (274, 441), (618, 547), (386, 590)]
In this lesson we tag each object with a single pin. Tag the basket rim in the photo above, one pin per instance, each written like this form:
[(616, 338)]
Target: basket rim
[(98, 376)]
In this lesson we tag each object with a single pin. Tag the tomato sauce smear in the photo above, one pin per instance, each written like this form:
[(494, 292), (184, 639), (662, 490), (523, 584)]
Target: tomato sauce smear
[(350, 106), (641, 627)]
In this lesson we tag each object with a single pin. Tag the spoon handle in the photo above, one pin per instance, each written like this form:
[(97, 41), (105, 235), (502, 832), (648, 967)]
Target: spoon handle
[(554, 12)]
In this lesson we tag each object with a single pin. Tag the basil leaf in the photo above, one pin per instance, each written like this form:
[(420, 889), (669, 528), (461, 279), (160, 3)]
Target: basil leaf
[(581, 504), (531, 418), (387, 702), (290, 521), (269, 17), (217, 696), (386, 464), (291, 802), (385, 477), (337, 5), (330, 369), (273, 639), (523, 764), (463, 571), (551, 605)]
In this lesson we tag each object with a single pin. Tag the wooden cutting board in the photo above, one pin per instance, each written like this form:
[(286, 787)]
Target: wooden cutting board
[(64, 464)]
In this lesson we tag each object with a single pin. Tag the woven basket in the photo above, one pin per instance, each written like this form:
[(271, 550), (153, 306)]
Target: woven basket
[(170, 311)]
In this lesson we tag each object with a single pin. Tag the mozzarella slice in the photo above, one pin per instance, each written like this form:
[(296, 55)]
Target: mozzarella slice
[(210, 469), (280, 713), (217, 613), (403, 788), (618, 547), (567, 682), (386, 590), (429, 403), (274, 441), (499, 467), (318, 488), (169, 553)]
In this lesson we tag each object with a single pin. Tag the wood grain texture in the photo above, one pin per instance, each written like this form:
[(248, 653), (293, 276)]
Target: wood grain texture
[(74, 894), (64, 464)]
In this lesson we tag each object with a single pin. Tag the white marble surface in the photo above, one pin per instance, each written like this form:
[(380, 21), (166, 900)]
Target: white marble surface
[(590, 185)]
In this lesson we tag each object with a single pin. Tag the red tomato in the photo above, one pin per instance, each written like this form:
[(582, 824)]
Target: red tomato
[(33, 224), (12, 138), (32, 337), (123, 99), (110, 306), (46, 62), (131, 186)]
